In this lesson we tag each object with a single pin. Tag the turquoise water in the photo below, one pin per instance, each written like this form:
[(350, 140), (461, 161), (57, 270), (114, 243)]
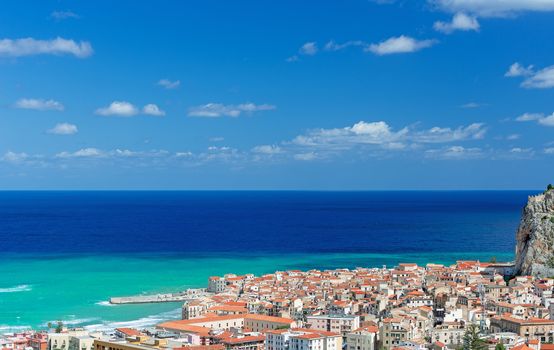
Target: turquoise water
[(75, 289)]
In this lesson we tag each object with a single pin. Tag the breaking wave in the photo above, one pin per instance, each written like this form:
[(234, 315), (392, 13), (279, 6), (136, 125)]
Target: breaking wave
[(138, 323), (104, 303), (16, 289)]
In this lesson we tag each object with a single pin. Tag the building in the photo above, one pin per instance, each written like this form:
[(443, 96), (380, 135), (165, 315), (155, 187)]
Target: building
[(247, 342), (393, 332), (253, 322), (39, 341), (334, 323), (112, 345), (302, 339), (60, 341), (193, 309), (531, 328), (364, 338), (216, 284), (83, 342), (450, 336)]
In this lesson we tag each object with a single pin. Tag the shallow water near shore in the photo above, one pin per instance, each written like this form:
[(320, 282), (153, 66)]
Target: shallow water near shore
[(77, 289)]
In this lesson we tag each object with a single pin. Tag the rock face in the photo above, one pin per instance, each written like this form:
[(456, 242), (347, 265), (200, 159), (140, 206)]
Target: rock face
[(535, 237)]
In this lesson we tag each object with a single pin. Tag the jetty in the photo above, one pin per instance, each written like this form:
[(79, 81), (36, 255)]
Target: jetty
[(187, 295)]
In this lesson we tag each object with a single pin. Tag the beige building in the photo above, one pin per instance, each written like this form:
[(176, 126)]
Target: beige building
[(364, 338), (61, 341), (108, 345), (453, 337), (393, 332), (532, 328), (302, 339), (334, 323), (193, 309), (81, 343), (216, 284)]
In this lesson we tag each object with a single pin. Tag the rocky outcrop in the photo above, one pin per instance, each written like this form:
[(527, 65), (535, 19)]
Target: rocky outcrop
[(535, 237)]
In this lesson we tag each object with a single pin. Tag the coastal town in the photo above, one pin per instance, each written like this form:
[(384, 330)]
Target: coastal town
[(470, 305)]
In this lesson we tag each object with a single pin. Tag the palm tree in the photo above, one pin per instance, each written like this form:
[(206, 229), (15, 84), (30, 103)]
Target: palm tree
[(59, 327)]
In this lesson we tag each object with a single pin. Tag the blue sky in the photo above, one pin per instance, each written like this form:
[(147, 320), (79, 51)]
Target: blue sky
[(355, 94)]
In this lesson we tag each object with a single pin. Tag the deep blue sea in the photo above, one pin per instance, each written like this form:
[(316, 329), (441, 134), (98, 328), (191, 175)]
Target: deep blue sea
[(258, 222), (63, 254)]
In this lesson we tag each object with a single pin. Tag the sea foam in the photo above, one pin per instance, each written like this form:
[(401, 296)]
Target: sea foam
[(138, 323), (16, 289)]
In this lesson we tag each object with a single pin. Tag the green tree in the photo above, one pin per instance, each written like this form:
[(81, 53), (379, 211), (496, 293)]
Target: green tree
[(493, 260), (550, 187), (472, 341), (499, 346), (59, 327)]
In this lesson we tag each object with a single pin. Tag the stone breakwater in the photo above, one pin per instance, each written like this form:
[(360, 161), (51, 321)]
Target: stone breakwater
[(189, 294), (535, 237)]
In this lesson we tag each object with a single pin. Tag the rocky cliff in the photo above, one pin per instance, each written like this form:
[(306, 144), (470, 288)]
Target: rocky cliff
[(535, 237)]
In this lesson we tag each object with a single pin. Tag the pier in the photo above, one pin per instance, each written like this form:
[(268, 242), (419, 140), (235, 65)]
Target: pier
[(189, 294)]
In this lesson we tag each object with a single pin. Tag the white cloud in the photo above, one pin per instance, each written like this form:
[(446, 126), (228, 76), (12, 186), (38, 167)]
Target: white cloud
[(538, 117), (382, 135), (541, 79), (547, 121), (39, 104), (116, 154), (127, 109), (333, 46), (475, 131), (526, 117), (493, 8), (13, 157), (118, 108), (152, 109), (168, 84), (522, 152), (64, 129), (513, 137), (89, 152), (372, 133), (471, 105), (549, 150), (223, 153), (305, 156), (401, 44), (293, 58), (61, 15), (309, 48), (215, 110), (454, 153), (460, 21), (58, 46), (517, 70), (267, 149)]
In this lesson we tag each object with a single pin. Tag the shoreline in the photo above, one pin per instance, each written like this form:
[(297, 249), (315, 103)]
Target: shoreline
[(169, 277)]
